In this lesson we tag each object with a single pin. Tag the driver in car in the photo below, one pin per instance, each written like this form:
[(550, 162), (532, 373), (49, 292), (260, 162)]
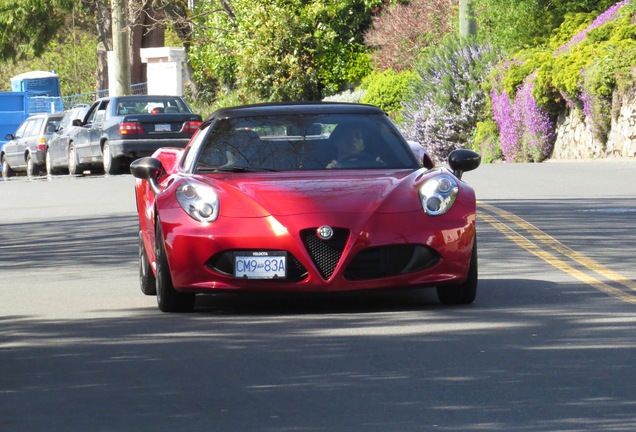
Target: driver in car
[(350, 146)]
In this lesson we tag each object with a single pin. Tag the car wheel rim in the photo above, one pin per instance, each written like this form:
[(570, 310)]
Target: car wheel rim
[(143, 262), (159, 284), (106, 158), (159, 281), (71, 160)]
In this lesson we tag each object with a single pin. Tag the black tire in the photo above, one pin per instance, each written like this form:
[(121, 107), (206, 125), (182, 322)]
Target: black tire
[(466, 292), (168, 299), (73, 165), (6, 168), (112, 165), (32, 169), (147, 280)]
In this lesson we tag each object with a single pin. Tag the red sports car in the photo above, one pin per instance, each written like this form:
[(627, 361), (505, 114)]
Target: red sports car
[(303, 197)]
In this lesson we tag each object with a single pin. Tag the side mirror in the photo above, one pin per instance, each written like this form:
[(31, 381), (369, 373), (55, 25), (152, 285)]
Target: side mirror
[(77, 122), (9, 137), (149, 169), (462, 160), (51, 128)]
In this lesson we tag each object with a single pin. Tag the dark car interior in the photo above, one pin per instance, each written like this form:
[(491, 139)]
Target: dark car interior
[(284, 144)]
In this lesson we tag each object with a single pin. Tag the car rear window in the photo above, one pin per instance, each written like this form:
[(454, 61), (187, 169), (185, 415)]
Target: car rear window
[(52, 121), (152, 106)]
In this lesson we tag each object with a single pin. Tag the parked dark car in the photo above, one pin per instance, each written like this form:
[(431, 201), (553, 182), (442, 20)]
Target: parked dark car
[(119, 129), (25, 150), (57, 151)]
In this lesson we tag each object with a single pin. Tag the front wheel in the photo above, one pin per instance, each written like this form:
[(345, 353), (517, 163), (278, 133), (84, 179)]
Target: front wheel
[(7, 171), (73, 165), (168, 299), (465, 292), (112, 164)]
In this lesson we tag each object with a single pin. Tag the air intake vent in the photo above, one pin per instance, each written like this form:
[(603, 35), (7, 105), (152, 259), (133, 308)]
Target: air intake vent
[(391, 260), (325, 253)]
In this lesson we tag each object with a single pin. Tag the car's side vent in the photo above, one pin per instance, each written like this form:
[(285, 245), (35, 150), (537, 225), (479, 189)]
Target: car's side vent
[(325, 253), (390, 260)]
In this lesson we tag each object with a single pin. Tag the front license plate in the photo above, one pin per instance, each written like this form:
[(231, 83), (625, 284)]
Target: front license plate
[(163, 128), (260, 265)]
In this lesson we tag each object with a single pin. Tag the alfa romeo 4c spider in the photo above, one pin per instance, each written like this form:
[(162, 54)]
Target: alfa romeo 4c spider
[(303, 197)]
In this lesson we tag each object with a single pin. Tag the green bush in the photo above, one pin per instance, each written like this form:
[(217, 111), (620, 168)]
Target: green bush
[(486, 141), (526, 23), (281, 50), (387, 90)]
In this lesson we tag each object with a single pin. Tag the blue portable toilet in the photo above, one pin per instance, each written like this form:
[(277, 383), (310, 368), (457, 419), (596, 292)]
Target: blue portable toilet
[(42, 89), (37, 83)]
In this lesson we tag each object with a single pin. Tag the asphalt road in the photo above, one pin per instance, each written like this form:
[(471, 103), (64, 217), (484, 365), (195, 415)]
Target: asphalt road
[(549, 345)]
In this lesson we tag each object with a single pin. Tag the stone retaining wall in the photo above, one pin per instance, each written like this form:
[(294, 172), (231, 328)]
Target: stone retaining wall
[(575, 140)]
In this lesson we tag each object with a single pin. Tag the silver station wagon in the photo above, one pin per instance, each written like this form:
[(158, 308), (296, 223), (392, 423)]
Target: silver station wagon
[(25, 150)]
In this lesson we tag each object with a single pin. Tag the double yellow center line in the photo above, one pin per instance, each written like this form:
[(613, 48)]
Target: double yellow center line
[(535, 241)]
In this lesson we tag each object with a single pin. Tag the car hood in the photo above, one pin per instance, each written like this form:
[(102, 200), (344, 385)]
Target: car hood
[(287, 194)]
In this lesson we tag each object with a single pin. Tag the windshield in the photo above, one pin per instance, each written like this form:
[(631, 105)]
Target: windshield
[(303, 142)]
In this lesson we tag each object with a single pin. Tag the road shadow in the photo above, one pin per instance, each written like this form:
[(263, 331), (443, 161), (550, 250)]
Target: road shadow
[(524, 362), (95, 241)]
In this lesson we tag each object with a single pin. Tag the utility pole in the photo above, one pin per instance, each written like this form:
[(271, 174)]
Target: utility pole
[(467, 22), (121, 43)]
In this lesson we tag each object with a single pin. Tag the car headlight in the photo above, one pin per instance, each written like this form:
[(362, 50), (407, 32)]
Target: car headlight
[(438, 194), (199, 201)]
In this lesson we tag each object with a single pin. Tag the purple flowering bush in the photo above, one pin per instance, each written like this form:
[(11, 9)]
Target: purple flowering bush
[(447, 101), (528, 92), (526, 132)]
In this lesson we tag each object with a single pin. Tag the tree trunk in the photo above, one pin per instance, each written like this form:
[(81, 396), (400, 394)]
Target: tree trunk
[(467, 23), (104, 43), (182, 25), (147, 31), (121, 48)]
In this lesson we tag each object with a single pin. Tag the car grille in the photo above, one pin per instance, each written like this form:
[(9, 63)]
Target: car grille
[(390, 260), (371, 263), (325, 253), (224, 263)]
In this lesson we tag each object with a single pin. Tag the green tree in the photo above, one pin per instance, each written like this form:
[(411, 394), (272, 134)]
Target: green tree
[(71, 55), (70, 52), (281, 49), (27, 26), (527, 23)]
